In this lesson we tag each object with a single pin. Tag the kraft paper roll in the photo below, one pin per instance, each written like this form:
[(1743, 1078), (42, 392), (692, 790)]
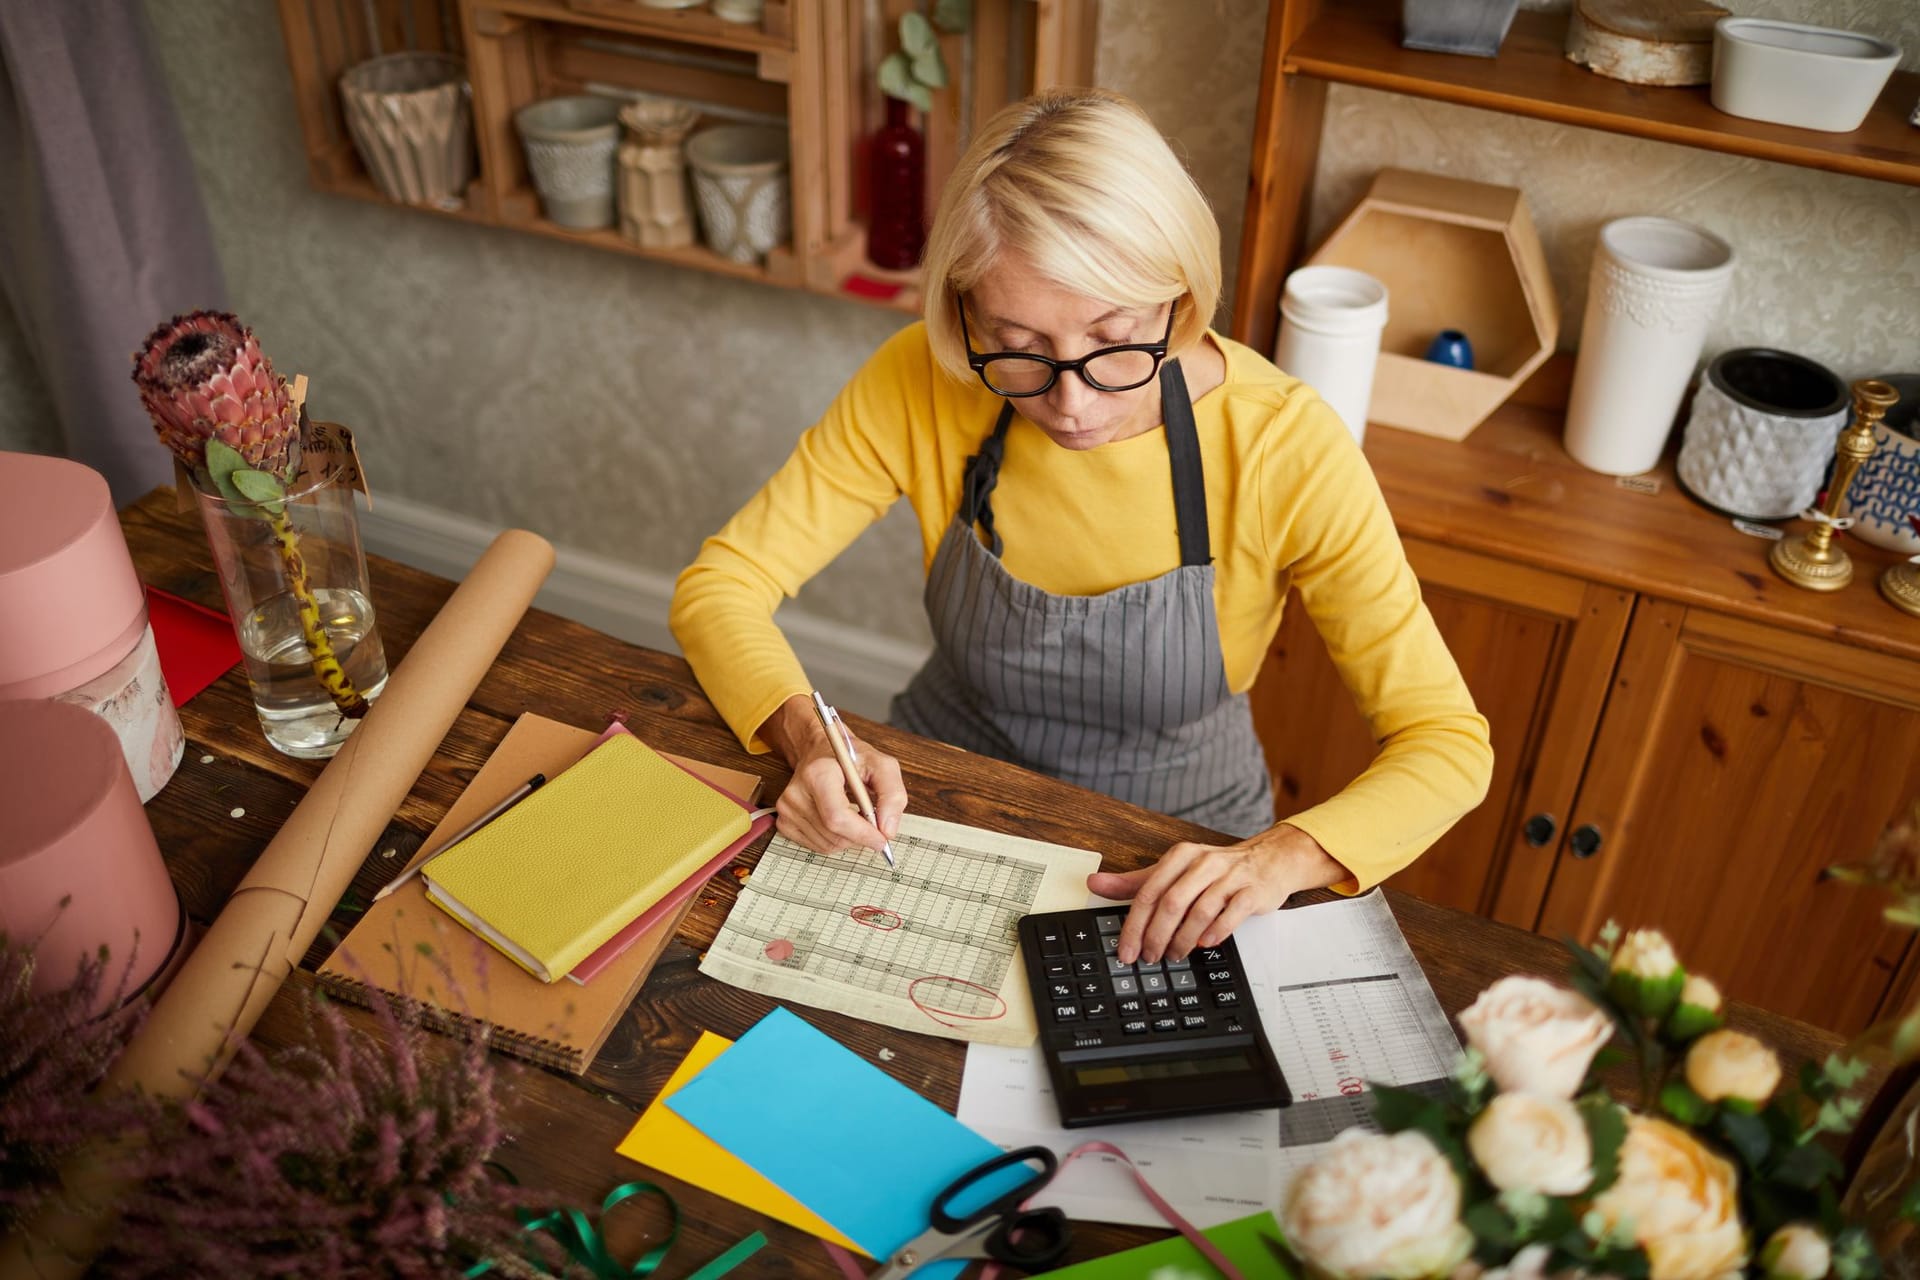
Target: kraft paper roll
[(278, 909)]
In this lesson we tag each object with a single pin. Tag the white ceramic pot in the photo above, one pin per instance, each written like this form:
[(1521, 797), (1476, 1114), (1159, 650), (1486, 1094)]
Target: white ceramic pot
[(1655, 286), (570, 145), (1330, 324), (1761, 433), (740, 182), (1884, 498), (1791, 73)]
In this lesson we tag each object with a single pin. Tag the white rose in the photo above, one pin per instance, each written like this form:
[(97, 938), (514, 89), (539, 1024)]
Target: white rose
[(1732, 1064), (1536, 1037), (1645, 954), (1526, 1142), (1700, 993), (1797, 1252), (1378, 1206), (1680, 1201)]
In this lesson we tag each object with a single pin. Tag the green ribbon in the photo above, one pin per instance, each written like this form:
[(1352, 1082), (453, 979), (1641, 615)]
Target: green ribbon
[(582, 1241)]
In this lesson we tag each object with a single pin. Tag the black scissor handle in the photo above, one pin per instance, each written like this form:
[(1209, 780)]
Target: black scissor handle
[(1004, 1205), (1030, 1239)]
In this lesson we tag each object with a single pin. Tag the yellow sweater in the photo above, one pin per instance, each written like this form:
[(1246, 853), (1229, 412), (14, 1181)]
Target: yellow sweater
[(1290, 503)]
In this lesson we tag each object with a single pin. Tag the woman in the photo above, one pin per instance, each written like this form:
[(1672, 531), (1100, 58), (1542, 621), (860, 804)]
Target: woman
[(1092, 620)]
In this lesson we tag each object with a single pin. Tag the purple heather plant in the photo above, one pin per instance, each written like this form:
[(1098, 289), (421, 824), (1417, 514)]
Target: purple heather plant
[(348, 1154), (53, 1051)]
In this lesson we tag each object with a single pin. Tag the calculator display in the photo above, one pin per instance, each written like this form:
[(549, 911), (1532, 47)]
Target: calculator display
[(1164, 1069)]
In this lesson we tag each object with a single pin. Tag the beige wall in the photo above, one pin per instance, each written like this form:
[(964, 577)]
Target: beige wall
[(626, 407)]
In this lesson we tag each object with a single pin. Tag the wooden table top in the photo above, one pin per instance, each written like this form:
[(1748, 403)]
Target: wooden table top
[(562, 1128)]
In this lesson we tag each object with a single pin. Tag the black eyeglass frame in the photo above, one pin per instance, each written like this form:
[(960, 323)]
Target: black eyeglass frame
[(978, 362)]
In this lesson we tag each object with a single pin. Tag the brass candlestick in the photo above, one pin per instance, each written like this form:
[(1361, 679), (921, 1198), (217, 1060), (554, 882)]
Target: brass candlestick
[(1811, 560), (1900, 584)]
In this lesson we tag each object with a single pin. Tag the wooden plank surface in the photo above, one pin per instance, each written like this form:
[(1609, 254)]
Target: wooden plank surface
[(562, 1129)]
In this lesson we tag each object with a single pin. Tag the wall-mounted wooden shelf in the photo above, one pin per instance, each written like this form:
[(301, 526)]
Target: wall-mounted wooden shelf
[(804, 67)]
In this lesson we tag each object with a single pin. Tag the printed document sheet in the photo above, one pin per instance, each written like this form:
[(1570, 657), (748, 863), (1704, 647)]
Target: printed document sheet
[(930, 946), (1343, 1002)]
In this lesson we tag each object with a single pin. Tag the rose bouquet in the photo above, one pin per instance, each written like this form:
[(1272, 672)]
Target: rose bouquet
[(1528, 1168)]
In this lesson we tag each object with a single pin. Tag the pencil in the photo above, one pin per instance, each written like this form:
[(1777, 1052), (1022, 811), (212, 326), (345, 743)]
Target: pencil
[(518, 794), (841, 740)]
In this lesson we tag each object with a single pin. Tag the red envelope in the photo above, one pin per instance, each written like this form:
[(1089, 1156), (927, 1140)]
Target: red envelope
[(196, 643)]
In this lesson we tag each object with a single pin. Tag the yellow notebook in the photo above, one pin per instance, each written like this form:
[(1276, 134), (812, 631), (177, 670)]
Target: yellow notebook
[(558, 874)]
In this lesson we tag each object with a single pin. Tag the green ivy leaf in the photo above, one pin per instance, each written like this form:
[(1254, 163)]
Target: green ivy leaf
[(222, 461), (1679, 1100), (262, 487), (1747, 1135), (917, 35), (930, 69), (953, 16), (1845, 1072), (896, 81), (1606, 1131)]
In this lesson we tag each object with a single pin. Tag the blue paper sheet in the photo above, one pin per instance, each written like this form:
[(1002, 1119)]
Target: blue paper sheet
[(838, 1134)]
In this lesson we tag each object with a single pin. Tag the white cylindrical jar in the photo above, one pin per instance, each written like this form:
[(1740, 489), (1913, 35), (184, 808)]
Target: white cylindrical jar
[(1330, 324), (1655, 287)]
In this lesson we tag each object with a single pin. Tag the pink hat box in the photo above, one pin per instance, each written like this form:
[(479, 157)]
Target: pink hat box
[(79, 867), (73, 616)]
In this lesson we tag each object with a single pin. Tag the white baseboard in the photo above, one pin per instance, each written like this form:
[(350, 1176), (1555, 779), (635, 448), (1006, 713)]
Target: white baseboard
[(863, 669)]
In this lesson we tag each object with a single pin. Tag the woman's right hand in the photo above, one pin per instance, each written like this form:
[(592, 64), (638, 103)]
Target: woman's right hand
[(817, 809)]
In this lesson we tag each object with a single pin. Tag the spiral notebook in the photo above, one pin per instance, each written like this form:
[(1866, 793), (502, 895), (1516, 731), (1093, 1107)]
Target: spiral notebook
[(410, 949)]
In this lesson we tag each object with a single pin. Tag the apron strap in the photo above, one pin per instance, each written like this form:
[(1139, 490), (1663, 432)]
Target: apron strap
[(1183, 452), (1189, 476)]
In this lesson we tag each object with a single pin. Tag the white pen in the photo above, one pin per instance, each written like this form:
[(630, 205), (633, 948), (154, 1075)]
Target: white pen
[(841, 740)]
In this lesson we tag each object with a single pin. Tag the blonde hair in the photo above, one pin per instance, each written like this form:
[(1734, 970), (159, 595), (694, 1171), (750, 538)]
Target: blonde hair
[(1081, 184)]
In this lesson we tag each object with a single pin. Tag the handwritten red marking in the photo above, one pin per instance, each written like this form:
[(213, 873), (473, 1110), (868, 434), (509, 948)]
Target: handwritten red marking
[(877, 918), (1352, 1086), (779, 950), (941, 1015)]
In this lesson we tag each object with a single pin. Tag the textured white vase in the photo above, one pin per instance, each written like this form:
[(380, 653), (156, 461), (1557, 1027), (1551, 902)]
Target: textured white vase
[(1655, 287), (1752, 456)]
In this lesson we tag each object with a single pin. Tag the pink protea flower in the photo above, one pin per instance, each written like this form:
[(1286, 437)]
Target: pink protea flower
[(202, 376)]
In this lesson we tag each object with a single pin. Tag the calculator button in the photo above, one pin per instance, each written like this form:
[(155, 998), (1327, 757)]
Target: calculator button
[(1159, 1004), (1212, 955), (1085, 967), (1184, 962), (1226, 997), (1083, 941), (1190, 1001), (1110, 942), (1056, 968), (1096, 1009), (1194, 1022), (1061, 990), (1131, 1006), (1153, 983), (1166, 1024), (1134, 1026), (1053, 940), (1066, 1013), (1116, 966), (1107, 923), (1182, 980), (1093, 987), (1126, 985), (1219, 977)]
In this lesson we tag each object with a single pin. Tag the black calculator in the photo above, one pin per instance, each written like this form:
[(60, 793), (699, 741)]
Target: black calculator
[(1143, 1041)]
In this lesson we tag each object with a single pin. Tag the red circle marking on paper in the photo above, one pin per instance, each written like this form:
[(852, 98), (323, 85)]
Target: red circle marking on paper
[(779, 951), (941, 1015), (881, 918)]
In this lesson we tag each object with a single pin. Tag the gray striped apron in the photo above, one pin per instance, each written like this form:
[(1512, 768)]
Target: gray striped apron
[(1123, 692)]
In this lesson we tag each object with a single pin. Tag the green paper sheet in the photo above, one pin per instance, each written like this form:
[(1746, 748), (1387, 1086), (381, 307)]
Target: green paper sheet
[(1250, 1243)]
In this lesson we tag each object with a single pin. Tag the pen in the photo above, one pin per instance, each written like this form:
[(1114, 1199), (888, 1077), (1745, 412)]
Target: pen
[(518, 794), (841, 741)]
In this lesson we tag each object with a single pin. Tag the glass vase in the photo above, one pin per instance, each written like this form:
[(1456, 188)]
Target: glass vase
[(295, 580), (897, 172)]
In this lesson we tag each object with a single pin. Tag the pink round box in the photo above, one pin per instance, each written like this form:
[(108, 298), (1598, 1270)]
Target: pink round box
[(79, 868), (73, 616)]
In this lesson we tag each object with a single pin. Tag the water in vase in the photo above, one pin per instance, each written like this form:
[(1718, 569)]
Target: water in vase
[(298, 714)]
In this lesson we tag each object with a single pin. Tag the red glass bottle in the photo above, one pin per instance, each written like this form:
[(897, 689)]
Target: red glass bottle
[(897, 172)]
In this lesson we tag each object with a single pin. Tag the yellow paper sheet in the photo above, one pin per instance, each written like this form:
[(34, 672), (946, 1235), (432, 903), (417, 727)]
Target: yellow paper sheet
[(661, 1140)]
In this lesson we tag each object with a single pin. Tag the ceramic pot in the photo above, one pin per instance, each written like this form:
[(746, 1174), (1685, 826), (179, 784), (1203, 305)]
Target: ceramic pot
[(1761, 433), (740, 182), (1331, 319), (412, 123), (1794, 74), (655, 208), (1884, 498), (570, 144), (1456, 26), (1655, 287)]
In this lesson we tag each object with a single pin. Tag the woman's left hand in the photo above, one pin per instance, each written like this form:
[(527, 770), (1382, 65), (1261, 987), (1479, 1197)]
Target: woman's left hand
[(1197, 894)]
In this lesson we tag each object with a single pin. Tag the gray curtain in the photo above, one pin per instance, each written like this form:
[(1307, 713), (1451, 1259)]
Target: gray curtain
[(102, 233)]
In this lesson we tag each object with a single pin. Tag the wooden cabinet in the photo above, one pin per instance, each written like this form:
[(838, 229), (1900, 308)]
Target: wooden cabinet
[(804, 67)]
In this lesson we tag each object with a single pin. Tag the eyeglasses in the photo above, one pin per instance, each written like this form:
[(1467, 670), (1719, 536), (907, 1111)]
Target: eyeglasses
[(1017, 373)]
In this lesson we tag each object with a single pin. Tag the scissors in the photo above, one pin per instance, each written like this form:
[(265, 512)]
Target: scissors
[(1030, 1239)]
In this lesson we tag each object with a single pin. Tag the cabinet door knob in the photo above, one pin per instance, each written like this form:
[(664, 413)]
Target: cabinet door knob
[(1540, 829), (1585, 840)]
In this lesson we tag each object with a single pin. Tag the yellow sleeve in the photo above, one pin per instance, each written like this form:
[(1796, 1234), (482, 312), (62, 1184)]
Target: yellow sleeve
[(842, 476), (1332, 531)]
